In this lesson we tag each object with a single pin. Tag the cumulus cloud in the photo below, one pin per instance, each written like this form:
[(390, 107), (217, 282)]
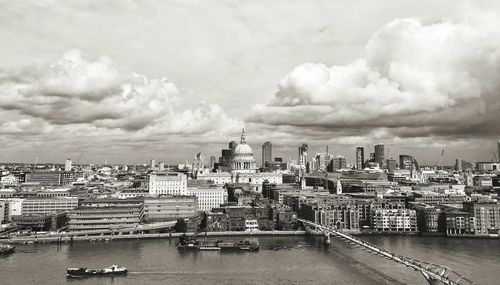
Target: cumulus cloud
[(416, 78), (74, 91)]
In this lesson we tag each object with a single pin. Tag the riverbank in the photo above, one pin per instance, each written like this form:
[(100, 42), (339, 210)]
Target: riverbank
[(107, 238)]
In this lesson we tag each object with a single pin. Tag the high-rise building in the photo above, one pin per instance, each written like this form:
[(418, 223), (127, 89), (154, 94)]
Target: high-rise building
[(267, 152), (161, 166), (337, 163), (153, 163), (458, 165), (391, 164), (405, 161), (302, 154), (360, 157), (212, 162), (380, 155), (68, 165), (498, 150)]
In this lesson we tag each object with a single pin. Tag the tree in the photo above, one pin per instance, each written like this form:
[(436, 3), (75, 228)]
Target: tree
[(180, 226)]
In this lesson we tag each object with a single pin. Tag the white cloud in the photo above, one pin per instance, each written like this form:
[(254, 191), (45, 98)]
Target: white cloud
[(77, 94), (438, 77)]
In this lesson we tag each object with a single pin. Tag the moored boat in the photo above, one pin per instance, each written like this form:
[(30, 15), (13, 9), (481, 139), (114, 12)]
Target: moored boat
[(7, 248), (191, 243), (83, 271)]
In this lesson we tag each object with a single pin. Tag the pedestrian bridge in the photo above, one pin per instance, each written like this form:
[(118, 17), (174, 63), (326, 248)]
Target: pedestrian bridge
[(433, 273)]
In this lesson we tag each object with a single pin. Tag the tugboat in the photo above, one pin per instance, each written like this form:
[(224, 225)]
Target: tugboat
[(6, 249), (191, 243), (83, 271)]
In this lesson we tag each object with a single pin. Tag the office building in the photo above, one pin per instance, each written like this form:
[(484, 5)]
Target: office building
[(169, 183), (48, 205), (267, 152), (302, 155), (360, 157), (208, 197), (170, 208), (380, 155), (153, 164), (405, 161), (394, 220), (106, 214), (68, 165), (391, 165), (161, 166), (337, 163)]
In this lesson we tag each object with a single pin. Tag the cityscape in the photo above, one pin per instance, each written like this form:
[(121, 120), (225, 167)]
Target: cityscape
[(381, 169)]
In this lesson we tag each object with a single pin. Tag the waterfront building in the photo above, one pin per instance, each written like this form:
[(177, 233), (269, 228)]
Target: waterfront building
[(267, 152), (68, 165), (169, 183), (48, 205), (460, 223), (170, 208), (106, 214), (430, 219), (394, 220), (487, 217), (41, 222), (208, 197), (360, 157), (380, 155)]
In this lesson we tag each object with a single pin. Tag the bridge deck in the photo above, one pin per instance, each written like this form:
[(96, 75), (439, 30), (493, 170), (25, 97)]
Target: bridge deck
[(429, 270)]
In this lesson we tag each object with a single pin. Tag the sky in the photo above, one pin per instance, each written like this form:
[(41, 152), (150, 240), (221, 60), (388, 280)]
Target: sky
[(128, 81)]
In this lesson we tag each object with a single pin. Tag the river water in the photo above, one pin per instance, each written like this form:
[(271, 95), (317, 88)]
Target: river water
[(281, 260)]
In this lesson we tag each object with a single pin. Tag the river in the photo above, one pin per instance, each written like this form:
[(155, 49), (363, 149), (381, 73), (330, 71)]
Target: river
[(281, 260)]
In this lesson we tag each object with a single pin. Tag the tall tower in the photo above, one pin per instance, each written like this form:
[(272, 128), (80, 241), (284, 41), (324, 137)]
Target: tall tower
[(267, 152), (360, 157), (302, 155), (68, 165), (380, 155), (153, 163)]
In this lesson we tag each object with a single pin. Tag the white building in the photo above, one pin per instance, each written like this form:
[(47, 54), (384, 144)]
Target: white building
[(9, 179), (209, 198), (169, 183), (48, 205), (68, 165)]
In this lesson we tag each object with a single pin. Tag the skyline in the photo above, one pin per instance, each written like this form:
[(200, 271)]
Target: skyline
[(84, 82)]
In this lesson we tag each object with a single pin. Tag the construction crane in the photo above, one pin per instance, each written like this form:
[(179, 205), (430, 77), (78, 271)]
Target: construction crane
[(440, 160), (78, 161), (494, 158)]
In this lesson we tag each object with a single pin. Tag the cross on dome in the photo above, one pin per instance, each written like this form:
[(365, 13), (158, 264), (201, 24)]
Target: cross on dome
[(243, 140)]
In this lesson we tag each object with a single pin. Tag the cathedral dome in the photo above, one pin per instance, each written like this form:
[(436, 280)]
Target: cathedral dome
[(243, 150)]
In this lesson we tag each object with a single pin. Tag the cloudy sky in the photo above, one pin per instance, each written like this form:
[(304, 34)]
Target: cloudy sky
[(128, 81)]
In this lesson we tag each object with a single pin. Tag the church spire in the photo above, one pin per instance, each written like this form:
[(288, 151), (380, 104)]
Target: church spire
[(243, 141)]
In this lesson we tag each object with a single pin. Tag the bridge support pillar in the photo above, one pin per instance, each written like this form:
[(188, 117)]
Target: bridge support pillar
[(327, 239), (430, 280)]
